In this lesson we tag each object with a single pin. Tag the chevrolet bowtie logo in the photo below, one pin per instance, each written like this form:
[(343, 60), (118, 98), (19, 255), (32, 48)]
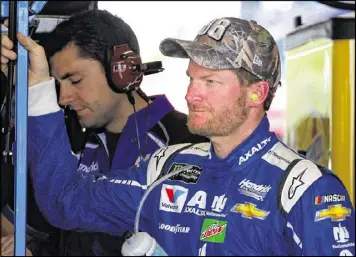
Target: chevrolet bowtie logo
[(249, 210), (334, 212)]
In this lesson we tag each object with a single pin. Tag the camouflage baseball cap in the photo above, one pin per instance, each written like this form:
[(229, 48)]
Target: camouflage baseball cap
[(231, 43)]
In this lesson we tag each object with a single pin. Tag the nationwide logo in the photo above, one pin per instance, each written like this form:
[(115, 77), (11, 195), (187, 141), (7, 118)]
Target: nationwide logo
[(329, 199), (254, 190), (213, 231), (335, 213), (341, 234), (189, 176), (172, 198), (249, 211)]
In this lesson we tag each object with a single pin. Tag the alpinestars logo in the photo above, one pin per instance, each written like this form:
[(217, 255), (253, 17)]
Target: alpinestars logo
[(297, 182), (172, 198), (159, 155)]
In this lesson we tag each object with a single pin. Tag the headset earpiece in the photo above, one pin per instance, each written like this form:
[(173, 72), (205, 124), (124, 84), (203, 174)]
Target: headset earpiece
[(124, 70)]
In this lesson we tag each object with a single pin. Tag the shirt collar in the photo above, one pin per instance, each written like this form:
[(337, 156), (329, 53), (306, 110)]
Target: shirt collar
[(149, 116), (251, 149)]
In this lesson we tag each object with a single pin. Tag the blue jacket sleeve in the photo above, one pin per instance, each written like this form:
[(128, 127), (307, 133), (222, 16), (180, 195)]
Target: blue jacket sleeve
[(94, 203), (323, 221)]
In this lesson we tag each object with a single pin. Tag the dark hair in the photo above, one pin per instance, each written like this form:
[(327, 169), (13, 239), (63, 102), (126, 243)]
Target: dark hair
[(246, 78), (93, 32)]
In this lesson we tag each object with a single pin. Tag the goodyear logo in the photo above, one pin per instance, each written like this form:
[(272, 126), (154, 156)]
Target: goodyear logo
[(334, 212), (249, 211)]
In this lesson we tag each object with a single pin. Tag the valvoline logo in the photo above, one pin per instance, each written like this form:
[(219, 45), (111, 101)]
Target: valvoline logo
[(172, 198), (174, 194)]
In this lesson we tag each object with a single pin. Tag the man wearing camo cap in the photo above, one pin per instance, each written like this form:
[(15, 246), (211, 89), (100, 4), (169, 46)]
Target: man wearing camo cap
[(243, 193)]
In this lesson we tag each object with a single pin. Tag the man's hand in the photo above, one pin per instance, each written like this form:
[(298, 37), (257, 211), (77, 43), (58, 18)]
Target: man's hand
[(7, 246), (38, 67)]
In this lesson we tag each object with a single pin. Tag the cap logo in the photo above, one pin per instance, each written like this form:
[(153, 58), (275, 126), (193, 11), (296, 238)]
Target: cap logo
[(257, 60), (215, 29)]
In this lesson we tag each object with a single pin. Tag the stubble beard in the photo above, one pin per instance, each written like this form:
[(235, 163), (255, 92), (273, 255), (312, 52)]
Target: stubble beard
[(222, 123)]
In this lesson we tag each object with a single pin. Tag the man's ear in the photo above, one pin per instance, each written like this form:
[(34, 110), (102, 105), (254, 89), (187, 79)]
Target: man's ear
[(257, 93)]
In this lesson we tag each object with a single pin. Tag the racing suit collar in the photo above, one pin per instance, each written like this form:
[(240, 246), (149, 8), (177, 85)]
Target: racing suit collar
[(250, 150), (147, 118)]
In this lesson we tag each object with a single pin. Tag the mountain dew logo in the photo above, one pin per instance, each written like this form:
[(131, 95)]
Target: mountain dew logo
[(213, 231)]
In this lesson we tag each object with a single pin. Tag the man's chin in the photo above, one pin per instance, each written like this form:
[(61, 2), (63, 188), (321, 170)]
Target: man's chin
[(198, 130)]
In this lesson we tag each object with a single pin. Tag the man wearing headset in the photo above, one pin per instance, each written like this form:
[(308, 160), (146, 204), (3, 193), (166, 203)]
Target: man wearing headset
[(122, 124), (243, 193)]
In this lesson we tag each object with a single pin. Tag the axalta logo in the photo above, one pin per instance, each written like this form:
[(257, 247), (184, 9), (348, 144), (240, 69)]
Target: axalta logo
[(197, 205), (174, 229), (213, 231), (254, 190), (329, 199), (335, 213), (254, 150), (84, 168), (173, 198)]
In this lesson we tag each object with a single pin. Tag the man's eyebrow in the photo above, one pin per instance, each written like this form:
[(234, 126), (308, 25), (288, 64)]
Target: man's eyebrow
[(67, 75), (202, 77)]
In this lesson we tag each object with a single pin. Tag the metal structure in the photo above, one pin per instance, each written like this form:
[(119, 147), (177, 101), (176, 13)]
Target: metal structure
[(19, 15)]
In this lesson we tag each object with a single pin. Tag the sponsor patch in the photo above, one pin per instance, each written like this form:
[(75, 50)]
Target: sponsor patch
[(189, 176), (296, 182), (174, 229), (213, 231), (254, 190), (334, 212), (329, 199), (249, 211), (172, 198), (197, 205), (88, 169), (345, 253), (341, 234), (254, 150)]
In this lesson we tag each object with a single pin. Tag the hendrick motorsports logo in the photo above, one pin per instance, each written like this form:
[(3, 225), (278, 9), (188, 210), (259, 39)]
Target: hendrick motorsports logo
[(189, 176), (254, 190), (88, 169)]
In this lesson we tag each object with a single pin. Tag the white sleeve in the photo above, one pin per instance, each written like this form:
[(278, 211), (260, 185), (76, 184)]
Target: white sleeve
[(42, 98)]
